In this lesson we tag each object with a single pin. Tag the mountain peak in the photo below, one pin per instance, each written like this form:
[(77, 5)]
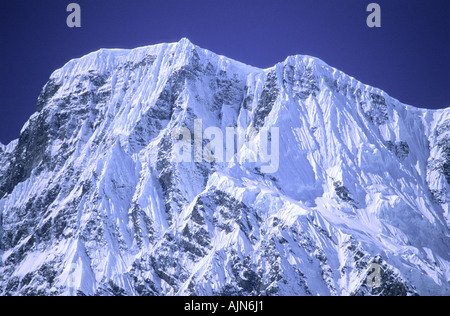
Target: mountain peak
[(185, 42), (92, 200)]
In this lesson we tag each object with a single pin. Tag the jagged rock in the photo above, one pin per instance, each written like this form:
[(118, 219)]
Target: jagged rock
[(91, 202)]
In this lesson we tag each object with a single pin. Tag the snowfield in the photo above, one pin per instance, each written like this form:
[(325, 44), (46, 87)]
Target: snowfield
[(91, 202)]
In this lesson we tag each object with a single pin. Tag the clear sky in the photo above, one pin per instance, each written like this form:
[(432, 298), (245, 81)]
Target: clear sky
[(408, 57)]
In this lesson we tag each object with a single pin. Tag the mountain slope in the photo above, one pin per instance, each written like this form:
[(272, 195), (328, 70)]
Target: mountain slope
[(92, 203)]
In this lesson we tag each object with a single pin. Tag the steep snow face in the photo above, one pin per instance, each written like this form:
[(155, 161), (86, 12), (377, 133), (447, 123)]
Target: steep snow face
[(92, 203)]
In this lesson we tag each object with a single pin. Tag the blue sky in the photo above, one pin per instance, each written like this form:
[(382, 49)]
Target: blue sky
[(408, 57)]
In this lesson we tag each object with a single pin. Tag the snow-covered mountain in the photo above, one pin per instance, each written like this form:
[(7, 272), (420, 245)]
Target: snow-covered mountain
[(91, 202)]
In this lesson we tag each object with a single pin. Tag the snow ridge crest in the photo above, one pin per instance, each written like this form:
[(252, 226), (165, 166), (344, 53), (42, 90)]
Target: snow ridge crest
[(91, 201)]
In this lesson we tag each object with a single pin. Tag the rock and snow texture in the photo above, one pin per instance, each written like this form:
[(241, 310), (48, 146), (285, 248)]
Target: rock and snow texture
[(90, 202)]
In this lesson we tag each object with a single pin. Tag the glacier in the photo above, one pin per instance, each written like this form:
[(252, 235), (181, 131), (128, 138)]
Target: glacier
[(91, 204)]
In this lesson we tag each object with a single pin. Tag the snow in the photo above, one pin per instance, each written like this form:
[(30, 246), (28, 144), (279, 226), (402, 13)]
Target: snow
[(108, 206)]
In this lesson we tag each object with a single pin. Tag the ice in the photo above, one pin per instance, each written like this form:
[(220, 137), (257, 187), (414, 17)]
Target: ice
[(100, 207)]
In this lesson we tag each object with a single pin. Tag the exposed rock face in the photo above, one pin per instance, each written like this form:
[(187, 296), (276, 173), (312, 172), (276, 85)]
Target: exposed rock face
[(91, 202)]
